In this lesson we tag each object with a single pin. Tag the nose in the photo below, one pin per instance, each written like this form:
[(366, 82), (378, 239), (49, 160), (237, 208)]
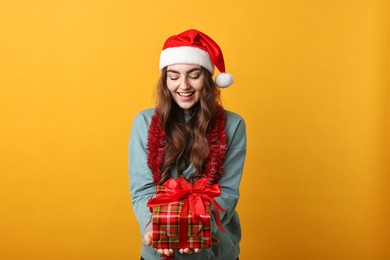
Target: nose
[(184, 83)]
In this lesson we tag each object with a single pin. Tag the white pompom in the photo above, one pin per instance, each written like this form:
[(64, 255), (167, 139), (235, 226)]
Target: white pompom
[(224, 80)]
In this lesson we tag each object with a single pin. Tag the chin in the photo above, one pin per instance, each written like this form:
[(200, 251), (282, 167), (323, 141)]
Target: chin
[(186, 107)]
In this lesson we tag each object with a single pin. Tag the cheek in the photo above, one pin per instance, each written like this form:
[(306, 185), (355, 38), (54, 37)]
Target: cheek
[(171, 87), (199, 85)]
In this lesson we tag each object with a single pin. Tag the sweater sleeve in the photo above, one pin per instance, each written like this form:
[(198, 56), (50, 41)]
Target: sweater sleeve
[(233, 167), (142, 187)]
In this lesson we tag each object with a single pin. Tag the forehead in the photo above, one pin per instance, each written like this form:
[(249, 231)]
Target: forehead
[(183, 68)]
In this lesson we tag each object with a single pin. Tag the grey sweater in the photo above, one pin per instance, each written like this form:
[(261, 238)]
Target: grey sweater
[(142, 187)]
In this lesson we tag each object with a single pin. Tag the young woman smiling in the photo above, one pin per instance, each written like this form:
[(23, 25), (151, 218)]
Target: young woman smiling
[(185, 83), (189, 135)]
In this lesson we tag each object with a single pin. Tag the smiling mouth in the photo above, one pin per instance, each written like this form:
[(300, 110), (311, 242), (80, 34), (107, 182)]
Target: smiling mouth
[(185, 94)]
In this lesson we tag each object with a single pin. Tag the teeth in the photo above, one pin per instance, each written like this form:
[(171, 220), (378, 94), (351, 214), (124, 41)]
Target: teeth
[(185, 94)]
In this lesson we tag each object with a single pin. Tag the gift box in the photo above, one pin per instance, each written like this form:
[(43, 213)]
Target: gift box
[(167, 227), (181, 214)]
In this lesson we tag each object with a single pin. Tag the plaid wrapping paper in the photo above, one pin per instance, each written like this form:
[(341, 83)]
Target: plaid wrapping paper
[(166, 227)]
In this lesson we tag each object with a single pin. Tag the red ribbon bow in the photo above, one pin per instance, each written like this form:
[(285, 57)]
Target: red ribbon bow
[(194, 195)]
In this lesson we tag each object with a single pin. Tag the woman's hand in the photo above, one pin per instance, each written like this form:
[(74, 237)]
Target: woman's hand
[(189, 251), (167, 252), (148, 242), (148, 238)]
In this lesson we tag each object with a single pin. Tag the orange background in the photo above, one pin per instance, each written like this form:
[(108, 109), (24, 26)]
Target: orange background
[(311, 81)]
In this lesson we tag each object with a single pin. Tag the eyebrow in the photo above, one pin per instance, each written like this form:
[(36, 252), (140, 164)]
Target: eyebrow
[(187, 72)]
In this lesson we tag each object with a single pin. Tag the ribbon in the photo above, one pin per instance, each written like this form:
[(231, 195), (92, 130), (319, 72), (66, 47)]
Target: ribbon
[(175, 190)]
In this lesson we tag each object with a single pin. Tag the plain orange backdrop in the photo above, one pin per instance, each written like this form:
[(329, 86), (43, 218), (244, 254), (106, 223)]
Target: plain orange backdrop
[(311, 81)]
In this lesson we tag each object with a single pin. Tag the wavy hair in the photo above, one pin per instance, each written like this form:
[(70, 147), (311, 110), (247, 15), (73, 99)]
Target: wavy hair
[(186, 142)]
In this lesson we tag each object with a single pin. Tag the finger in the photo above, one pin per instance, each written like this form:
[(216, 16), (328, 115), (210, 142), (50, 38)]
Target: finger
[(181, 250), (197, 250), (166, 252), (187, 251), (148, 238), (160, 251), (171, 251)]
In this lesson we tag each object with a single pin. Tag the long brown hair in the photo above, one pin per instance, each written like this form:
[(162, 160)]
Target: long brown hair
[(186, 142)]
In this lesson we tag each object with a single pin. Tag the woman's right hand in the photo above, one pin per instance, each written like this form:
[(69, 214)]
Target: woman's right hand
[(167, 252), (189, 251), (148, 242), (148, 238)]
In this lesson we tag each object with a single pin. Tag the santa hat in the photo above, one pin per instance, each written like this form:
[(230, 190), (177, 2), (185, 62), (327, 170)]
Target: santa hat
[(195, 47)]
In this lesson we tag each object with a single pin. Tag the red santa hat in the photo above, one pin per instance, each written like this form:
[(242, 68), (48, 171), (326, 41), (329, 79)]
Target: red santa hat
[(195, 47)]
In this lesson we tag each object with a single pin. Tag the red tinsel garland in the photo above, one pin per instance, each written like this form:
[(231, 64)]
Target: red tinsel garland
[(217, 144)]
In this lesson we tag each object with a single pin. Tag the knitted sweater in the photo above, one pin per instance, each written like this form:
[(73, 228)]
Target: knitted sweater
[(142, 187)]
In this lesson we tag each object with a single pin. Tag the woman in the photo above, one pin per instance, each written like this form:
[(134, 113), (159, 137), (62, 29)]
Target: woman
[(189, 135)]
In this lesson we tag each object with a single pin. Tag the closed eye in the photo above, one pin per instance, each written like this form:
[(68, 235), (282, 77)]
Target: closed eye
[(194, 76)]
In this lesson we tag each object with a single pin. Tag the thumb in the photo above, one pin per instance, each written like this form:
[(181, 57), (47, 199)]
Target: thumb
[(148, 238)]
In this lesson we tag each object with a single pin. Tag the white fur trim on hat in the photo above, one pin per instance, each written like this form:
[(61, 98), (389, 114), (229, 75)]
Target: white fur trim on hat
[(224, 80), (186, 55)]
